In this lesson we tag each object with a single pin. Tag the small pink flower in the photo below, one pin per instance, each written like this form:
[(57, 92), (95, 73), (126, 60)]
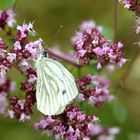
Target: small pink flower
[(38, 45), (2, 74), (95, 42), (25, 29), (21, 103), (93, 100), (98, 90), (81, 97), (113, 130), (120, 45), (70, 131), (77, 133), (60, 129), (122, 62), (98, 51), (10, 113), (99, 66), (11, 57), (137, 25), (81, 117), (110, 68), (24, 117), (32, 78), (11, 18), (34, 48), (81, 53), (126, 3), (17, 46), (2, 53), (96, 119), (2, 78), (24, 65), (31, 48), (71, 115), (87, 26), (78, 39), (106, 48), (3, 103), (43, 124), (91, 128)]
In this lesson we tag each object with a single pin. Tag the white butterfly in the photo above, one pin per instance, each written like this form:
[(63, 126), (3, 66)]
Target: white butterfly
[(56, 86)]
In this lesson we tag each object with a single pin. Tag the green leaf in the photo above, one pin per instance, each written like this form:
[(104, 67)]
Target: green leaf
[(93, 67), (4, 4), (119, 111), (108, 33)]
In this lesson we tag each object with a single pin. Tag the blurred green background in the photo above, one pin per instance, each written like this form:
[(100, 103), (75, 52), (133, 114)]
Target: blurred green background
[(48, 16)]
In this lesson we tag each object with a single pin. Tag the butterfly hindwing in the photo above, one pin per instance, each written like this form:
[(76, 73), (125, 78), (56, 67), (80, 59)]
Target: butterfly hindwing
[(68, 89)]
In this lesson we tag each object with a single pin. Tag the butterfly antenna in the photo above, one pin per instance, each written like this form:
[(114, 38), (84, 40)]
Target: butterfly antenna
[(56, 34), (36, 35), (58, 31)]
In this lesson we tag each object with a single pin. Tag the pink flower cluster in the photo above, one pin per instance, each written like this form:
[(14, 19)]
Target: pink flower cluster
[(5, 88), (127, 3), (137, 25), (132, 5), (22, 108), (94, 89), (91, 45), (75, 125), (72, 124), (7, 18), (18, 57), (24, 49), (6, 85)]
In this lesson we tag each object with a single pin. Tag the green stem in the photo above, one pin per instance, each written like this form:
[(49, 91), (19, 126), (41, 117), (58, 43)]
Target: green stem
[(115, 20)]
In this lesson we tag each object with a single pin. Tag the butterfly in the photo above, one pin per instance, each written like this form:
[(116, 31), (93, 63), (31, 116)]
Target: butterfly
[(56, 86)]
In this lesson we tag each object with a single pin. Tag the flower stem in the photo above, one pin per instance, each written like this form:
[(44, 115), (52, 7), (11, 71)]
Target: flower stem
[(14, 5), (64, 57), (122, 80), (115, 20)]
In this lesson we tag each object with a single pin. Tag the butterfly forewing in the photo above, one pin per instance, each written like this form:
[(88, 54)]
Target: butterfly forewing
[(47, 101)]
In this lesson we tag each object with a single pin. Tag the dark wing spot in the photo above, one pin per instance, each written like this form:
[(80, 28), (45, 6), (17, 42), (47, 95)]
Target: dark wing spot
[(64, 92), (45, 54)]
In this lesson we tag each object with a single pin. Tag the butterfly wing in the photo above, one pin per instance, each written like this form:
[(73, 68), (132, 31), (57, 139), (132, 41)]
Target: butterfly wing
[(46, 93), (65, 81), (56, 87)]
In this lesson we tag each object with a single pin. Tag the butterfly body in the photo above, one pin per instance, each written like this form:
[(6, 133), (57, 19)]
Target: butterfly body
[(56, 86)]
